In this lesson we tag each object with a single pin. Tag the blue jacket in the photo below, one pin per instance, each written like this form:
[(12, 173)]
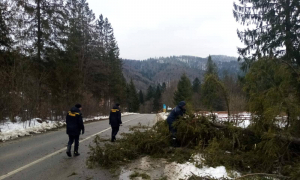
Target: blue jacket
[(176, 112), (74, 122), (115, 117)]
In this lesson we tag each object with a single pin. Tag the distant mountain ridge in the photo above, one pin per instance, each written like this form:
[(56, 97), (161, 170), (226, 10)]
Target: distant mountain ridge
[(165, 69)]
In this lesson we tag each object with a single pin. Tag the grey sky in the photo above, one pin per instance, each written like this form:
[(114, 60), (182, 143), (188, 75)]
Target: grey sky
[(154, 28)]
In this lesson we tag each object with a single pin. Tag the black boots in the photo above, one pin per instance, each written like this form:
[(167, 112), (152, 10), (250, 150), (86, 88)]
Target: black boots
[(69, 150), (113, 139), (76, 153)]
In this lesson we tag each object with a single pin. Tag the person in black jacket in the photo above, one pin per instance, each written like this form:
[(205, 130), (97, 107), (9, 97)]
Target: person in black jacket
[(173, 116), (115, 121), (74, 126)]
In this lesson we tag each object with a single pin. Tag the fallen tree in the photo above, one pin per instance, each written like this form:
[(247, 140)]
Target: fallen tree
[(246, 150), (283, 137)]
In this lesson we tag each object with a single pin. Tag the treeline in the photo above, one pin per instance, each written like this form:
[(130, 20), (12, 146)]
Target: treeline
[(152, 100), (167, 69), (55, 53), (209, 93)]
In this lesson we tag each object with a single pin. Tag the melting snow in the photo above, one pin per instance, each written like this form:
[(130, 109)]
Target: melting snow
[(10, 130), (157, 168)]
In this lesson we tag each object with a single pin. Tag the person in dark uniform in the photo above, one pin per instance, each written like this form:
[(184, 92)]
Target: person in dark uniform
[(115, 121), (173, 116), (74, 126)]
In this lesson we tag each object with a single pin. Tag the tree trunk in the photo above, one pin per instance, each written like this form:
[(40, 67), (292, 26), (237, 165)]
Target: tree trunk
[(39, 47)]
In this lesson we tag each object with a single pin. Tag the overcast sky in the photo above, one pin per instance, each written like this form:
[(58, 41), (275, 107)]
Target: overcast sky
[(154, 28)]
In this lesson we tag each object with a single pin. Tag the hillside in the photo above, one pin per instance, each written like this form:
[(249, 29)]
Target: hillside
[(165, 69)]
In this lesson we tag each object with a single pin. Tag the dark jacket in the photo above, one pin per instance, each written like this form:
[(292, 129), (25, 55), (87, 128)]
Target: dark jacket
[(176, 112), (74, 122), (115, 117)]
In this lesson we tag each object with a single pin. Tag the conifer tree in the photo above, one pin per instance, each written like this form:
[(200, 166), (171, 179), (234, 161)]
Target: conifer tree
[(141, 97), (276, 31), (213, 93), (133, 98), (71, 68), (157, 99), (270, 87), (44, 21), (184, 90), (196, 85), (39, 36), (115, 77), (210, 90), (211, 67), (150, 93), (58, 55), (5, 41)]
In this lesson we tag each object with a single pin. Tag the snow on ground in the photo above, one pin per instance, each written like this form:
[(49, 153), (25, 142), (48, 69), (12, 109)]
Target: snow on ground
[(177, 171), (162, 116), (241, 119), (158, 168), (10, 130)]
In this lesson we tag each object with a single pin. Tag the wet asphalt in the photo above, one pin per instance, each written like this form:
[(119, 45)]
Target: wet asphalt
[(43, 157)]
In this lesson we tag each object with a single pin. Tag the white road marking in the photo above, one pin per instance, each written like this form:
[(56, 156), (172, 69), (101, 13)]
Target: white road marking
[(56, 152)]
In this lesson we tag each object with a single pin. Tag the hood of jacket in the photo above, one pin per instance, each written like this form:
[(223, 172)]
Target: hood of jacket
[(181, 104)]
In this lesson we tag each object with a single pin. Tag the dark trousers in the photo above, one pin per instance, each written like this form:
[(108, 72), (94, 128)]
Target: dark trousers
[(71, 140), (114, 132), (172, 130)]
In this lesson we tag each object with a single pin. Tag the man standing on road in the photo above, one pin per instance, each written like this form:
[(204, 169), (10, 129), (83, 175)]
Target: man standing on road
[(115, 121), (173, 116), (74, 126)]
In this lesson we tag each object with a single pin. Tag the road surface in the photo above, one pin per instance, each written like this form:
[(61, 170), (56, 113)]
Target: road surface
[(43, 156)]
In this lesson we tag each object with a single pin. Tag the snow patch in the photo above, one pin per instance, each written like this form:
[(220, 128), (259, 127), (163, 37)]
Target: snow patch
[(177, 171), (10, 130), (242, 119), (162, 116), (157, 168)]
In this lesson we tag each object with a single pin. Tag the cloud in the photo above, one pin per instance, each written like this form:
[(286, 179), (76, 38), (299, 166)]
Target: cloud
[(152, 28)]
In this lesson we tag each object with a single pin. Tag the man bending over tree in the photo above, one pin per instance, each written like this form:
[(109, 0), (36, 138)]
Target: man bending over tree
[(173, 116)]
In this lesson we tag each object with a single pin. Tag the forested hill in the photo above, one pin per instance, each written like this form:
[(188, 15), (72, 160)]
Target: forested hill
[(166, 69)]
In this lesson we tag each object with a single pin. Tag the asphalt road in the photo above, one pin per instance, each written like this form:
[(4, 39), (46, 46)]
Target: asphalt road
[(43, 156)]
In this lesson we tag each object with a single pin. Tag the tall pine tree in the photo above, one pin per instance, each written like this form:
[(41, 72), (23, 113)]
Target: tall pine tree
[(276, 31), (141, 97), (196, 85), (211, 67), (157, 99), (150, 93), (132, 98), (184, 90), (213, 92), (5, 41)]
